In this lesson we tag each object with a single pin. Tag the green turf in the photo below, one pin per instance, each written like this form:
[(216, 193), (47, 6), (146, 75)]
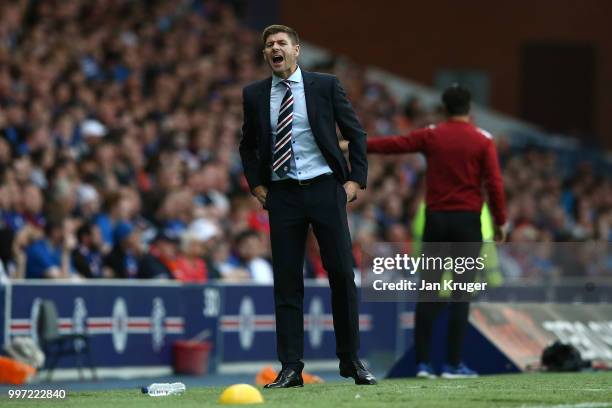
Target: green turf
[(523, 390)]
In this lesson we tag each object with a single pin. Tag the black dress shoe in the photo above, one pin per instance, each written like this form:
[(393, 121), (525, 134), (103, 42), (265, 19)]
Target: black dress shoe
[(287, 378), (356, 370)]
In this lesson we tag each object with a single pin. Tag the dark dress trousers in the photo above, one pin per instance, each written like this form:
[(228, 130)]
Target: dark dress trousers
[(320, 202)]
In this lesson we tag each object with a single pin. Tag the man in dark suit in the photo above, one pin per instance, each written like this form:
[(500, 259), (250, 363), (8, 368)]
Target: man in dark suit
[(294, 166)]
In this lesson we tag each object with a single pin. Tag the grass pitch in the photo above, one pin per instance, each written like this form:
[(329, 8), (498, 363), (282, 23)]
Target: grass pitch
[(583, 390)]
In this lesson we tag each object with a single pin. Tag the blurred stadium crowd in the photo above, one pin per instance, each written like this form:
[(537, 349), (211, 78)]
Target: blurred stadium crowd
[(119, 125)]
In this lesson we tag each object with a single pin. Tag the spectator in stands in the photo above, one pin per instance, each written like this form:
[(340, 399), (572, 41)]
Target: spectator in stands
[(32, 207), (190, 266), (161, 260), (6, 155), (15, 263), (249, 256), (88, 201), (87, 257), (115, 211), (208, 234), (176, 211), (204, 184), (225, 264), (126, 252), (48, 257)]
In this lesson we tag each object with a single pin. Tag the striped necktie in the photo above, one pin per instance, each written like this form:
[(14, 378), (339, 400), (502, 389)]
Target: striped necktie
[(282, 147)]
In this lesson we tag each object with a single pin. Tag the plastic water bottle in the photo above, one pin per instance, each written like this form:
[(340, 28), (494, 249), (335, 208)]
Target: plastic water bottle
[(164, 389)]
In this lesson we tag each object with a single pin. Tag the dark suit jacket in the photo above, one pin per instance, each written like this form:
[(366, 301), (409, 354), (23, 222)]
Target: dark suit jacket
[(327, 106)]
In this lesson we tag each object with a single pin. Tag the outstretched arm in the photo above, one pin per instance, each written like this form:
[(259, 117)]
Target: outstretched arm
[(414, 142)]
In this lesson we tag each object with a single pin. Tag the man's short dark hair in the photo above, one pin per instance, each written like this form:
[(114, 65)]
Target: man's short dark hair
[(278, 28), (456, 100), (84, 230), (246, 234)]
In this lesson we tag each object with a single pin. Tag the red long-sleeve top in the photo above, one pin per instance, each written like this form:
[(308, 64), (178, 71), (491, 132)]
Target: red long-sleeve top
[(461, 158)]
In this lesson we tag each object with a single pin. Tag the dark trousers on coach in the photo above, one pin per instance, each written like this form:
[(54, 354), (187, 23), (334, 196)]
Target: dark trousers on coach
[(292, 209), (446, 227)]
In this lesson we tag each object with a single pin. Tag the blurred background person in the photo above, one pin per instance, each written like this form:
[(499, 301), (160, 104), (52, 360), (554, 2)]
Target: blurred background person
[(160, 261), (190, 265), (127, 250), (248, 255), (88, 257), (49, 256)]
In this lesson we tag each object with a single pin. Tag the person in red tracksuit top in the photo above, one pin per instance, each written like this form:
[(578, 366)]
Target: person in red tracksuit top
[(461, 160)]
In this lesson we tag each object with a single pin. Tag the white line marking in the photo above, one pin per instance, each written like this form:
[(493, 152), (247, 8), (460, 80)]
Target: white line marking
[(579, 405), (255, 366), (63, 374)]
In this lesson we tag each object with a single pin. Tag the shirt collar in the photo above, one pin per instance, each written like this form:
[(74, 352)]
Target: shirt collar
[(295, 77)]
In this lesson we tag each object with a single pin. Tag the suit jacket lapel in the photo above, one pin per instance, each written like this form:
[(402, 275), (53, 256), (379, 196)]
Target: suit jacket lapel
[(264, 113), (310, 93)]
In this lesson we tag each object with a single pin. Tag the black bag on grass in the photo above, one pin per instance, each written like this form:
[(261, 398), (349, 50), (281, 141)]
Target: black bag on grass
[(562, 357)]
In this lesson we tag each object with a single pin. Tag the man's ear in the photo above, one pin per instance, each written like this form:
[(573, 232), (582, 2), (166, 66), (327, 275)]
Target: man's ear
[(297, 50)]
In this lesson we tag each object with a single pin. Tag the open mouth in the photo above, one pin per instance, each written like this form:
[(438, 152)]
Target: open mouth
[(277, 59)]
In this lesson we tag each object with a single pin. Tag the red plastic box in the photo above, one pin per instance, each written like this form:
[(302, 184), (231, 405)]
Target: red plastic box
[(191, 357)]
